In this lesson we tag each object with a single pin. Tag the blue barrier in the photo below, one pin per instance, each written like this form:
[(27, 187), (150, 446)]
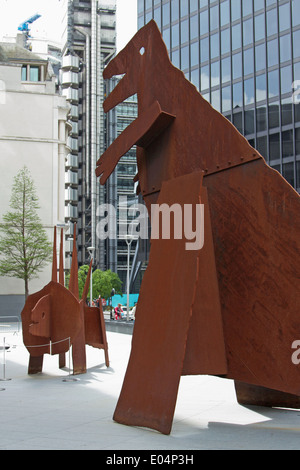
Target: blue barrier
[(122, 299)]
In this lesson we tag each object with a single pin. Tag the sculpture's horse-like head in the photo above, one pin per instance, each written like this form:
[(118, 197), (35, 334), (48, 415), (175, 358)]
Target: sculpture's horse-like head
[(131, 62), (41, 317), (139, 62)]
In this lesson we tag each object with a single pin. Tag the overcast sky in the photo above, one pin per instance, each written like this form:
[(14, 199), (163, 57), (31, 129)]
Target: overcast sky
[(14, 12)]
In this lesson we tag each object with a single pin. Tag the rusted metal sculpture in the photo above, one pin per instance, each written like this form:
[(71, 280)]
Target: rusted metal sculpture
[(54, 319), (230, 309)]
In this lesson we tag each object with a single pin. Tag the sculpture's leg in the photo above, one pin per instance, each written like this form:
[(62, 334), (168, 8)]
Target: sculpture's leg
[(35, 364), (78, 348), (62, 360), (106, 357), (149, 392), (248, 394), (79, 356), (104, 339), (205, 348)]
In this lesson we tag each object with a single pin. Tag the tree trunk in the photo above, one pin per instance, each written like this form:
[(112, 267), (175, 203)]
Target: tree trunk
[(26, 288)]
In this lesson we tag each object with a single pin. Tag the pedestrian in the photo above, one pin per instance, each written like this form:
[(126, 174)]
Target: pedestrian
[(118, 312)]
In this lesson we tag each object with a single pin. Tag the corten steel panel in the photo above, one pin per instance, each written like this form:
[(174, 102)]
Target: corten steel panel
[(57, 318), (247, 287), (255, 218), (205, 347), (149, 392)]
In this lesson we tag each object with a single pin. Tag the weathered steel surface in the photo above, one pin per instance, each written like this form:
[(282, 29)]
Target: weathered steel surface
[(256, 225), (261, 396), (205, 347), (55, 318), (149, 393), (241, 291)]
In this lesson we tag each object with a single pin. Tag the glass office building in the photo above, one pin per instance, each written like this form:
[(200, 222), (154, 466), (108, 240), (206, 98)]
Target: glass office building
[(244, 58)]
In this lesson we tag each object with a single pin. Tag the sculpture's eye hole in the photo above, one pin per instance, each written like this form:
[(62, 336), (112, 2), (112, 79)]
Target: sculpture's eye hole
[(142, 50), (43, 315)]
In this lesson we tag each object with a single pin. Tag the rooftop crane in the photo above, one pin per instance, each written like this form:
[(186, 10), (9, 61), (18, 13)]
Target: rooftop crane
[(25, 28)]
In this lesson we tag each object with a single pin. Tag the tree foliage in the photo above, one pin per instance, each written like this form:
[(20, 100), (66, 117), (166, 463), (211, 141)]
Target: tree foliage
[(102, 282), (24, 247)]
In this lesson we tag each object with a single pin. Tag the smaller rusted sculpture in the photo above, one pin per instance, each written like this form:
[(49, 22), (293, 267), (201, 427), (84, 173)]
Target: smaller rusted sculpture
[(54, 319)]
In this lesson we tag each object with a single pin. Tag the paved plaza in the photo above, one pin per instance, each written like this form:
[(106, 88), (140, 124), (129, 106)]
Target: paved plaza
[(51, 411)]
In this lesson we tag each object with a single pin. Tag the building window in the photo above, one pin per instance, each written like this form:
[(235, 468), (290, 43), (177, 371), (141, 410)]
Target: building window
[(298, 174), (226, 70), (194, 54), (286, 112), (274, 145), (262, 146), (296, 13), (214, 45), (274, 115), (248, 61), (258, 5), (225, 41), (249, 91), (261, 119), (248, 32), (214, 17), (272, 52), (247, 7), (24, 73), (261, 87), (195, 78), (225, 13), (288, 173), (175, 9), (249, 122), (285, 48), (260, 57), (237, 65), (272, 22), (259, 26), (184, 29), (286, 79), (175, 35), (204, 23), (284, 17), (298, 145), (34, 74), (184, 9), (194, 27), (204, 49), (31, 73), (226, 99), (296, 42), (204, 77), (236, 37), (237, 95), (166, 14), (287, 144), (273, 83)]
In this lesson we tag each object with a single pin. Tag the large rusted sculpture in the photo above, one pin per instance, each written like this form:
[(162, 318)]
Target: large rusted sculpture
[(232, 308), (54, 319)]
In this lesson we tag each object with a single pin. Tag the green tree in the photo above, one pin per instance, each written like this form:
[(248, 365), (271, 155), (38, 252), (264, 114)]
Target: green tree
[(24, 247), (103, 282)]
